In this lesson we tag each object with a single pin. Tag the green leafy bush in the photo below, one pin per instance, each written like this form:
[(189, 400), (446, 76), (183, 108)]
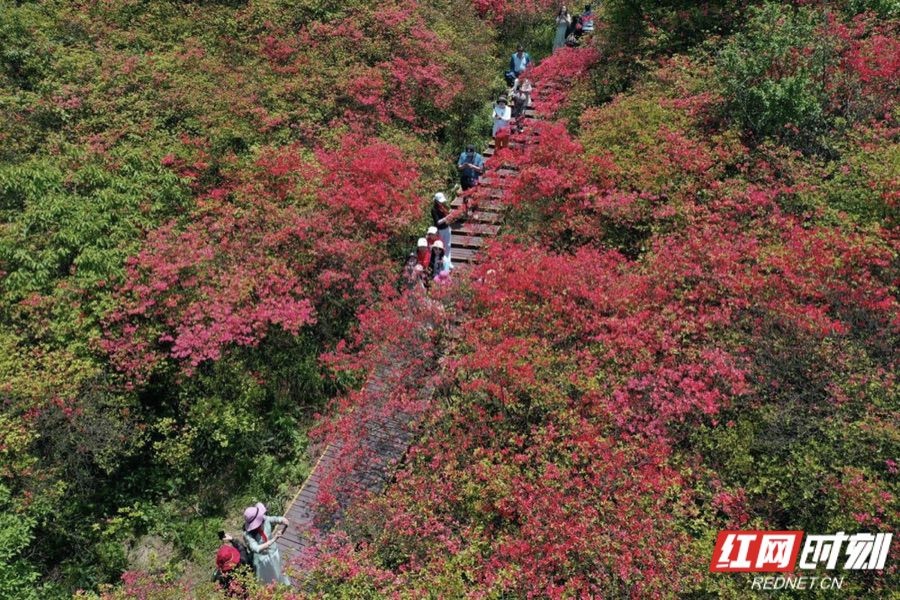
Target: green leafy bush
[(802, 75), (773, 74)]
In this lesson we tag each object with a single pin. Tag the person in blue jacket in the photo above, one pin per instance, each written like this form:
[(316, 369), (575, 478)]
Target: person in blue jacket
[(518, 62), (470, 166)]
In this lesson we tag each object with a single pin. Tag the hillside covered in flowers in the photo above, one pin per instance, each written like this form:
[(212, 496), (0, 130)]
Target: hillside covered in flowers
[(689, 324)]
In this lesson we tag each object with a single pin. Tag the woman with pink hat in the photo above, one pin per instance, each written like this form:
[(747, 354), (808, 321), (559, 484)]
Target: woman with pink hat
[(261, 541)]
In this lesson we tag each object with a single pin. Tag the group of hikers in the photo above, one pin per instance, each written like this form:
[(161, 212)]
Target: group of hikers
[(433, 259), (432, 262), (258, 553)]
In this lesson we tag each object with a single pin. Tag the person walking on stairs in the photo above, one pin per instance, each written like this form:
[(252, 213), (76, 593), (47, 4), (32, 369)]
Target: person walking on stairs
[(437, 266), (587, 20), (519, 61), (520, 102), (517, 65), (502, 118), (440, 212), (523, 85), (470, 166), (431, 235), (563, 21), (262, 543), (422, 256)]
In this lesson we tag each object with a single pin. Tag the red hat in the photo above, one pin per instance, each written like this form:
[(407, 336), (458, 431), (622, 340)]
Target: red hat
[(227, 558)]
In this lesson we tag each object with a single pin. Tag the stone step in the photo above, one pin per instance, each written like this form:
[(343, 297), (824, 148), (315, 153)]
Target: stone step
[(490, 186), (486, 192), (484, 216), (474, 222), (491, 196), (485, 197), (490, 205), (476, 229), (465, 241), (463, 255), (496, 181)]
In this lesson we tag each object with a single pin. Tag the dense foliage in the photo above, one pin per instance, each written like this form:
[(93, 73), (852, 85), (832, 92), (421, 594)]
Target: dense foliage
[(690, 323), (690, 326), (196, 198)]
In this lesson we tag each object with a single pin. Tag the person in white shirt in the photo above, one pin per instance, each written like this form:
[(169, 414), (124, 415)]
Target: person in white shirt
[(523, 84), (440, 214), (502, 117)]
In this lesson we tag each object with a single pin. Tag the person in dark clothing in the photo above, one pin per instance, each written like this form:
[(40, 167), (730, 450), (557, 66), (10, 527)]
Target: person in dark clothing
[(572, 29), (231, 555), (470, 166), (436, 266), (243, 551), (587, 19), (520, 101)]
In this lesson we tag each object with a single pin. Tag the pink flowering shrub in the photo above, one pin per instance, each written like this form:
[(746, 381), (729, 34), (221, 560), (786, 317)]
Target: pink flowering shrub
[(198, 199), (259, 258), (136, 585), (675, 321), (689, 323), (504, 10)]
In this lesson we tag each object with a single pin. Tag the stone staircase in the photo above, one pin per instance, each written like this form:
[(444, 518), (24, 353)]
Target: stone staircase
[(477, 216)]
